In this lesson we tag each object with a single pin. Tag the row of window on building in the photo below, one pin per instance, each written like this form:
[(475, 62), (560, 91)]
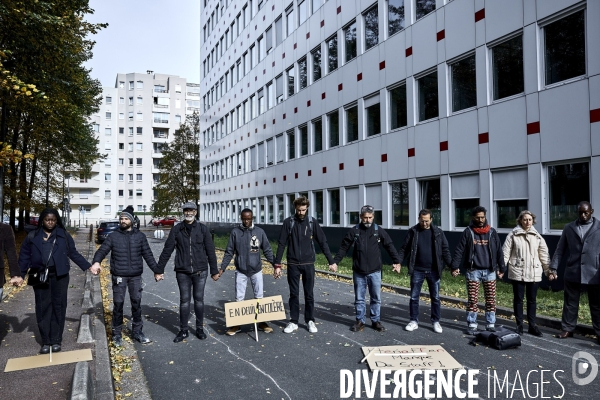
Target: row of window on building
[(295, 16), (121, 207), (193, 89), (507, 79), (567, 185), (158, 102)]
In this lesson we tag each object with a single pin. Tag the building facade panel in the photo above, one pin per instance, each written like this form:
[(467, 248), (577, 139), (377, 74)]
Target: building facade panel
[(514, 112)]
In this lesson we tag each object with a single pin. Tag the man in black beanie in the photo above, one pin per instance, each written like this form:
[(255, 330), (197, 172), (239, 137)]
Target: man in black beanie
[(128, 246)]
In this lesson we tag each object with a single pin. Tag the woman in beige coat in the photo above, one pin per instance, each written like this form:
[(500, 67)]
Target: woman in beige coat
[(527, 257)]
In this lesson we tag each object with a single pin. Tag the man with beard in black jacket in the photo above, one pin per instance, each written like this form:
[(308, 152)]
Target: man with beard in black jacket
[(366, 265), (297, 233), (128, 246), (427, 249), (195, 254)]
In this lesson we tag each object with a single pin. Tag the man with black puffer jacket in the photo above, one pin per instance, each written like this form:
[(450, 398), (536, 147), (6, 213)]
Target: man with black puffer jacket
[(128, 246), (366, 265), (195, 254), (297, 233)]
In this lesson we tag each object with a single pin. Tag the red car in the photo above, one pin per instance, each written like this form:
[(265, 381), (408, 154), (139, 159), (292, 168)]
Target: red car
[(33, 220), (164, 221)]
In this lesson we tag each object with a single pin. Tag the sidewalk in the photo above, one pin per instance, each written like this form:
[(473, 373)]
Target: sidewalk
[(19, 337)]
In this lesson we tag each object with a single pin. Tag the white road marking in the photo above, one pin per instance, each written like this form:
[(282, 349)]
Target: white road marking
[(214, 336)]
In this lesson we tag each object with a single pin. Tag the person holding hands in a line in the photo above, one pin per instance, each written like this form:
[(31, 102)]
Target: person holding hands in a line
[(245, 243), (128, 247), (51, 246), (480, 252), (195, 255), (582, 240), (427, 249), (366, 266), (298, 234), (526, 256)]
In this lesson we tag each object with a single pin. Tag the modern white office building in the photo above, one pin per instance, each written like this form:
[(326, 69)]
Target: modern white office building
[(401, 104), (135, 119)]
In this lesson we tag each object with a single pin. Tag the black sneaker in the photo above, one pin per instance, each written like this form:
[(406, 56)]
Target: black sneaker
[(490, 329), (200, 334), (378, 327), (45, 349), (117, 341), (183, 334), (140, 337), (56, 348), (535, 331), (357, 327)]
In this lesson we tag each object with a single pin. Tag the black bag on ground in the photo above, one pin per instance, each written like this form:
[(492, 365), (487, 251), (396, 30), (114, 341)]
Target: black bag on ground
[(502, 339)]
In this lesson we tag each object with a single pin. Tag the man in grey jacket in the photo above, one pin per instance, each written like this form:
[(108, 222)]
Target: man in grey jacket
[(245, 242), (582, 238)]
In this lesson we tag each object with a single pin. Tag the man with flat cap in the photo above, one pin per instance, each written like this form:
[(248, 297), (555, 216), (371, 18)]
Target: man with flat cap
[(195, 255), (128, 246)]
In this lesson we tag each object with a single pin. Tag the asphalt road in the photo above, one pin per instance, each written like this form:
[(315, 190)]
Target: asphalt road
[(307, 366)]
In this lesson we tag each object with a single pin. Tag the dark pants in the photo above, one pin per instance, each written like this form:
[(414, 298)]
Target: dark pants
[(571, 306), (519, 291), (307, 272), (186, 282), (416, 283), (51, 308), (134, 284)]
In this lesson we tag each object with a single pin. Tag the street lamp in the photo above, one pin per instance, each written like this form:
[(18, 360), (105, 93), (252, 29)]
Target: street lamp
[(80, 210), (68, 199), (144, 207)]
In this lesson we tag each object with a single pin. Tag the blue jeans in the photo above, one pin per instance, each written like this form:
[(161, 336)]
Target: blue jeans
[(373, 282), (474, 278), (416, 283)]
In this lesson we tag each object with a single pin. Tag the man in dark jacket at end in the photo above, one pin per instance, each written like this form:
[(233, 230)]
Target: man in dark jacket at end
[(195, 254), (245, 242), (297, 233), (128, 246), (366, 265), (427, 249), (480, 252), (582, 239)]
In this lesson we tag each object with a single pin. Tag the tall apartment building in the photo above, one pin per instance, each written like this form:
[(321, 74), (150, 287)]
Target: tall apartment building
[(401, 104), (136, 118)]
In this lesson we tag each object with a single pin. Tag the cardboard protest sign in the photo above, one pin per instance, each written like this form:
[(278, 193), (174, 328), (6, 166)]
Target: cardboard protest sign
[(409, 357), (254, 311), (44, 360)]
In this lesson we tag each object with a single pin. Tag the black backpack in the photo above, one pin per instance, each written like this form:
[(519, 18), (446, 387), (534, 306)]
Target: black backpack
[(502, 339)]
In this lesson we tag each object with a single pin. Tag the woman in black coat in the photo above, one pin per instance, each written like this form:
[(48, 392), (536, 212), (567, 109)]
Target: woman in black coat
[(51, 244)]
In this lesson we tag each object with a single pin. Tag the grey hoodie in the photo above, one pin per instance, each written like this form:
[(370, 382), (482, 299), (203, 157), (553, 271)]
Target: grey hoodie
[(245, 244)]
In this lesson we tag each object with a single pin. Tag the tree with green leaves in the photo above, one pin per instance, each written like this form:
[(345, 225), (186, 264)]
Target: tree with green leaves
[(46, 96), (179, 180)]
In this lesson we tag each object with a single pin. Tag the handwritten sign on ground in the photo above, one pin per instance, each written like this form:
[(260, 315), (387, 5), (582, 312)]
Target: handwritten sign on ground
[(255, 310), (409, 357), (44, 360)]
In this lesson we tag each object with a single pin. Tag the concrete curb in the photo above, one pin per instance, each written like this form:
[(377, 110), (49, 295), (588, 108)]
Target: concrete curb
[(86, 385), (86, 330), (82, 386)]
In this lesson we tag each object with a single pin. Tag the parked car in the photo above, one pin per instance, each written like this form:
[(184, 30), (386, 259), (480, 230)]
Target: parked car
[(34, 220), (164, 221), (106, 228)]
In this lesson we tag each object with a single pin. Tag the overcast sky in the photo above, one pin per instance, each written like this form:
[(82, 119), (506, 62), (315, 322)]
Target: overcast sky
[(158, 35)]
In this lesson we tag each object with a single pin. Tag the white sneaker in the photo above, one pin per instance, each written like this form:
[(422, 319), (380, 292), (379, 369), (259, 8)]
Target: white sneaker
[(291, 327), (437, 328), (412, 325), (312, 328)]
